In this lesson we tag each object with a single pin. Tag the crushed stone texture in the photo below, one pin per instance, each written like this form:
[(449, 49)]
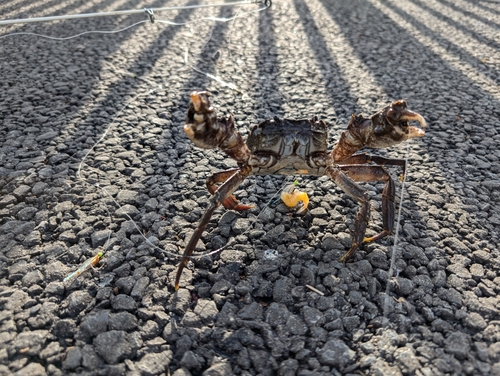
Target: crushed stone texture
[(93, 158)]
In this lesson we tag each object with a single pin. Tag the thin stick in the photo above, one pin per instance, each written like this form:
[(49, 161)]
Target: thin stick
[(315, 290)]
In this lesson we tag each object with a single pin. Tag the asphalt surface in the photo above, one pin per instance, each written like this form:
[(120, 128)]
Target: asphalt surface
[(93, 159)]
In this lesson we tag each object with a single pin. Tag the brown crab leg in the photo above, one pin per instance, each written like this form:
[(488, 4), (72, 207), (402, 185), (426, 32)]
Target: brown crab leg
[(350, 187), (230, 202), (358, 159), (220, 195), (376, 173)]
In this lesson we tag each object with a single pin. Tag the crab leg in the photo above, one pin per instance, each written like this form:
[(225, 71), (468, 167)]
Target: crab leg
[(350, 187), (359, 159), (224, 191), (230, 202), (377, 173)]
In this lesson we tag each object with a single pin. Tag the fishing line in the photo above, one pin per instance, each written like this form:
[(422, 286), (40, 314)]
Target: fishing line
[(74, 36), (110, 196), (152, 19), (149, 12), (229, 85), (96, 258), (204, 254), (396, 233)]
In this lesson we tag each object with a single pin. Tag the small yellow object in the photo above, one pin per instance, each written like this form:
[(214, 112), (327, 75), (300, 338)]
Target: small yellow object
[(90, 263), (292, 196)]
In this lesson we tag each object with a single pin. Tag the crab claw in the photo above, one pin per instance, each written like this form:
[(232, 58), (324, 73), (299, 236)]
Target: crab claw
[(399, 112), (389, 126), (207, 131), (201, 121), (200, 101)]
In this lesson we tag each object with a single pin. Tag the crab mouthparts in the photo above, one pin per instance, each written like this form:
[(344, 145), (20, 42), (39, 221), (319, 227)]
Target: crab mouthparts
[(414, 131)]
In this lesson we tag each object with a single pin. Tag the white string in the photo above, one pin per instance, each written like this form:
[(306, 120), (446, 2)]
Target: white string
[(204, 254), (77, 35), (108, 194), (214, 19), (82, 162), (120, 12), (396, 233)]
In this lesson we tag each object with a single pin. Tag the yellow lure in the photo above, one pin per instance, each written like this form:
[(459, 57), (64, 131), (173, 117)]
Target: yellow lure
[(292, 196)]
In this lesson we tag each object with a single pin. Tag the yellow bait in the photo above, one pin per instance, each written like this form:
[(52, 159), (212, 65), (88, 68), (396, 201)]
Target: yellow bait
[(292, 196)]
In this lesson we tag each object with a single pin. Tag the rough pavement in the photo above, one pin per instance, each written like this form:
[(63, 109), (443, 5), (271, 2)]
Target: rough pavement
[(246, 310)]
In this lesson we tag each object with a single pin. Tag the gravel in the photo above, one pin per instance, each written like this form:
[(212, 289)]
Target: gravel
[(93, 159)]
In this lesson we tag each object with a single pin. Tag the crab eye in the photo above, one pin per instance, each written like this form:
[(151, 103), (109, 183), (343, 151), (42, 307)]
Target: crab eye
[(267, 160), (303, 139), (264, 160), (289, 139)]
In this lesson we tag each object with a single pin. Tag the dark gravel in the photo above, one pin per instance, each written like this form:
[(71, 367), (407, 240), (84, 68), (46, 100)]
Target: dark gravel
[(247, 310)]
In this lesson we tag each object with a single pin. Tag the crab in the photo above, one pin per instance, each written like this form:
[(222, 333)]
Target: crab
[(299, 147)]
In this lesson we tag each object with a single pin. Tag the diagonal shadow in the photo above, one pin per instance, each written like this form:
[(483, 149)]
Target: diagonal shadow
[(344, 102), (147, 58), (479, 5), (419, 73), (44, 5), (458, 26), (266, 95), (468, 13), (448, 45), (65, 10), (117, 90), (14, 7), (342, 17), (144, 63)]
